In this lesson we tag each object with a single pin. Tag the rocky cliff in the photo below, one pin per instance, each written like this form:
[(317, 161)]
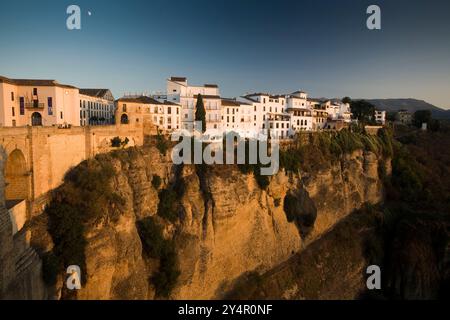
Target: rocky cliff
[(226, 225)]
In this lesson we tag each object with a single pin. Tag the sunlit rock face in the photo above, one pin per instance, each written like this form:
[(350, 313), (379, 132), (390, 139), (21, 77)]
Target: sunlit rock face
[(227, 225)]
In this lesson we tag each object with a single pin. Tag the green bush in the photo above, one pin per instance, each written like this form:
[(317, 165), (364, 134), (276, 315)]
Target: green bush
[(156, 247), (162, 144), (85, 198), (156, 181), (117, 142), (51, 266), (167, 206), (167, 275), (151, 235)]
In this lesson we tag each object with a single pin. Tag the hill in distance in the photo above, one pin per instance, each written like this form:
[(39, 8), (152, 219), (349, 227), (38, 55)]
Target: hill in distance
[(411, 105)]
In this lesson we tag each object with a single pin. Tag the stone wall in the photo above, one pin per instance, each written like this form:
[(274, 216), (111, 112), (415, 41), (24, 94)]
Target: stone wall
[(33, 161)]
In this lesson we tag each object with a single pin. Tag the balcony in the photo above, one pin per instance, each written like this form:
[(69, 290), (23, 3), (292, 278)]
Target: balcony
[(34, 105)]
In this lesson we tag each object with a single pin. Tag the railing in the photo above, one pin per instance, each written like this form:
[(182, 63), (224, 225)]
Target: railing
[(32, 105)]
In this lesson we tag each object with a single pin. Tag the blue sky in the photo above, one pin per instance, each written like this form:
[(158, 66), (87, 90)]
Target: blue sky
[(321, 46)]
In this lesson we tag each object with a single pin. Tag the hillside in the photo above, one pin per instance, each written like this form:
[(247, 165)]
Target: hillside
[(412, 105)]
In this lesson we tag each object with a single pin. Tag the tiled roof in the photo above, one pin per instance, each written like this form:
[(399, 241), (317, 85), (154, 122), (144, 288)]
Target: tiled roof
[(178, 79), (35, 82), (211, 85), (141, 99), (231, 103), (99, 93)]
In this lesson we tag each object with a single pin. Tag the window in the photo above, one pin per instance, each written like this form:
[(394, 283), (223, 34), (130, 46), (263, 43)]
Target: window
[(12, 96), (124, 107), (34, 91), (13, 112), (50, 106), (61, 115), (169, 110), (22, 106)]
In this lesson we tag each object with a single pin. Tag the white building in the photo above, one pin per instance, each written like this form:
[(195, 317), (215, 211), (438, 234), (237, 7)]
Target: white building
[(96, 107), (253, 114), (237, 116), (380, 117), (38, 103), (178, 91)]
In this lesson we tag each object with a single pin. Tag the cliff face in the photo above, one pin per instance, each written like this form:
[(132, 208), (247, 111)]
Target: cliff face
[(228, 226)]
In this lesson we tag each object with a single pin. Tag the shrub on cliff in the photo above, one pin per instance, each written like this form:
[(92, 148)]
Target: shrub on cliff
[(152, 238), (117, 142), (168, 206), (85, 198), (51, 266), (156, 181), (156, 247), (162, 144)]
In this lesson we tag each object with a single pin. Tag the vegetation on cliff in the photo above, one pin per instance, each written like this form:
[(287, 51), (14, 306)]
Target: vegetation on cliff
[(85, 198), (311, 152), (407, 235), (157, 247)]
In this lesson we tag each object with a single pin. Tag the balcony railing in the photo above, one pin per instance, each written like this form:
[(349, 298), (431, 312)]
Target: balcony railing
[(34, 105)]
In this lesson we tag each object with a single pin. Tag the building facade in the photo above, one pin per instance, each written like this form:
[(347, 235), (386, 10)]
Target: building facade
[(380, 117), (38, 103), (143, 110), (96, 107)]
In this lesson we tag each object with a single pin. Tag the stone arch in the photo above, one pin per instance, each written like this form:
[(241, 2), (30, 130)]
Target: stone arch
[(36, 119), (124, 119), (16, 177)]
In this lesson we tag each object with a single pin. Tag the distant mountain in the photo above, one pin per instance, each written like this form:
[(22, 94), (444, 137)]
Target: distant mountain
[(412, 105)]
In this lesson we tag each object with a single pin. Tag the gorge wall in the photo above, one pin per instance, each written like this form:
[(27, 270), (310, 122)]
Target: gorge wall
[(227, 226)]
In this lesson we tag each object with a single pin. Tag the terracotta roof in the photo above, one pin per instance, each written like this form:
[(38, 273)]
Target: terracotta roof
[(99, 93), (211, 86), (231, 103), (257, 94), (178, 79), (298, 91), (141, 99), (35, 82)]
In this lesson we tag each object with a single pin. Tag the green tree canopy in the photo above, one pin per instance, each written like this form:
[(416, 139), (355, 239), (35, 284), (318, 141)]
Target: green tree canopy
[(363, 110), (421, 116), (200, 113), (347, 100)]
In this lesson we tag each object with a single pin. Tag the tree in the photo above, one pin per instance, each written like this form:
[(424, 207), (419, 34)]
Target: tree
[(421, 116), (363, 110), (200, 113), (346, 100)]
